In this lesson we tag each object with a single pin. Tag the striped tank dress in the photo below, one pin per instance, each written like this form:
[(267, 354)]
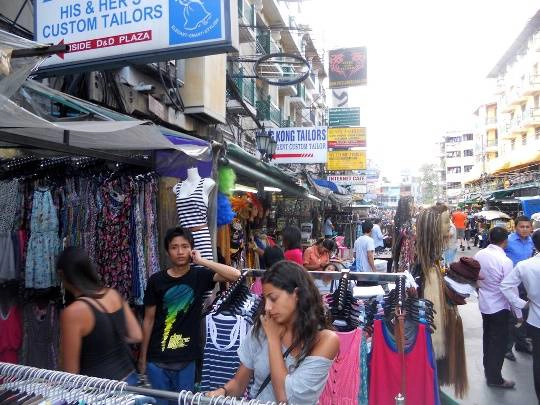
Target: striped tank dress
[(224, 334), (192, 213)]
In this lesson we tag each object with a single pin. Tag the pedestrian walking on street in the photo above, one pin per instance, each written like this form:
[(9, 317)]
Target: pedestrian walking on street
[(364, 249), (494, 306), (459, 218), (527, 272), (520, 247)]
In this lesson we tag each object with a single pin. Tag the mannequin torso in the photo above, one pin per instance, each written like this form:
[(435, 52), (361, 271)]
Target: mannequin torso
[(188, 186)]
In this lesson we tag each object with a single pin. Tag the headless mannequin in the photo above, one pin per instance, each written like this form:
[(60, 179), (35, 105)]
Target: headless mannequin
[(188, 186)]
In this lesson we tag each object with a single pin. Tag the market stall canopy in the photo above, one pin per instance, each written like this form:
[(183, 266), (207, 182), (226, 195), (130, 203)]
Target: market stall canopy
[(507, 192), (491, 215), (249, 166), (93, 127), (332, 186), (326, 191)]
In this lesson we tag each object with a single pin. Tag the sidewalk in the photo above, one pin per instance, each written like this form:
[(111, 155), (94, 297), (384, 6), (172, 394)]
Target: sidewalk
[(519, 371)]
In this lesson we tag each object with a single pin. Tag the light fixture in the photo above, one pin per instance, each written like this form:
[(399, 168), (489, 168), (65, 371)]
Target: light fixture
[(313, 197), (274, 189), (246, 189), (266, 144), (272, 147)]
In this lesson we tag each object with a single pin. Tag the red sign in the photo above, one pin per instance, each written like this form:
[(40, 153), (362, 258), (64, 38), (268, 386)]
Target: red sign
[(105, 42)]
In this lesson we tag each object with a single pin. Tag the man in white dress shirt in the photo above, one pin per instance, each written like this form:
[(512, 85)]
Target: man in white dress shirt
[(494, 306), (528, 273)]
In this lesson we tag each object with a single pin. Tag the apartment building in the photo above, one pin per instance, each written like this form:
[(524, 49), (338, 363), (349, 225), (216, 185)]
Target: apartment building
[(265, 27), (517, 116), (457, 160)]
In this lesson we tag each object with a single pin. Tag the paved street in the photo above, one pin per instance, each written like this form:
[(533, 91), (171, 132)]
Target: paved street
[(519, 371)]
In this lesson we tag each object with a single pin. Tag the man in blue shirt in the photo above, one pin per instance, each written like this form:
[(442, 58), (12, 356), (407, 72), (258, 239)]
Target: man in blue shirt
[(520, 247)]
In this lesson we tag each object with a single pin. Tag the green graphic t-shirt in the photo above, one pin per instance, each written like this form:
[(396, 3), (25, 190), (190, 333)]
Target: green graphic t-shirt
[(176, 336)]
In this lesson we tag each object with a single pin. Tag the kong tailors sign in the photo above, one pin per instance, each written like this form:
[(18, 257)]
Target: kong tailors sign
[(300, 145), (111, 33)]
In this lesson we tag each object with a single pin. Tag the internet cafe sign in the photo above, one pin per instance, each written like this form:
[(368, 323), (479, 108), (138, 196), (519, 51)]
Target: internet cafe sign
[(347, 180), (110, 33), (305, 145)]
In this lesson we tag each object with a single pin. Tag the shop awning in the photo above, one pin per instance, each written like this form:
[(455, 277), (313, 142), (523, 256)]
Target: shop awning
[(91, 127), (332, 186), (507, 192), (250, 167)]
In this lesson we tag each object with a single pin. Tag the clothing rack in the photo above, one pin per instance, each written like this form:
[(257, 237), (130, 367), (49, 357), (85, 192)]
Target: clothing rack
[(94, 390), (355, 276)]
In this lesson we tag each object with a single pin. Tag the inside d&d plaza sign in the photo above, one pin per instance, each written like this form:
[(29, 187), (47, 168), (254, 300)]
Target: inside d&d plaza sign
[(109, 33)]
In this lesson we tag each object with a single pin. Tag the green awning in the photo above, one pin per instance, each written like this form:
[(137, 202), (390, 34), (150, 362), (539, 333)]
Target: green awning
[(506, 192), (250, 167)]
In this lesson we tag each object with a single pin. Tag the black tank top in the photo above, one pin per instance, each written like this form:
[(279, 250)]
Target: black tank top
[(104, 353)]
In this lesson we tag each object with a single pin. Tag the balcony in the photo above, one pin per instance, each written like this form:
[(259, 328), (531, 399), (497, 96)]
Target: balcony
[(517, 96), (492, 145), (268, 111), (533, 86), (515, 125), (286, 123), (246, 20), (491, 122), (310, 81), (504, 130), (266, 44), (531, 117), (288, 71), (300, 99), (500, 87)]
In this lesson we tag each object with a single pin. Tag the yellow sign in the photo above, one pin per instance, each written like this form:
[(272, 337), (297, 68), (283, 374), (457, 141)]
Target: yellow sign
[(347, 137), (346, 160)]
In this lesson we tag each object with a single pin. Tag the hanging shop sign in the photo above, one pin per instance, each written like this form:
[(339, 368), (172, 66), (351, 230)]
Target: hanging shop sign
[(347, 67), (111, 33), (346, 160), (340, 98), (344, 117), (300, 145), (347, 180), (347, 137)]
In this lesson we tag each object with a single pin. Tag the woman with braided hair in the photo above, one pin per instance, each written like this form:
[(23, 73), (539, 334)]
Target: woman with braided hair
[(403, 238)]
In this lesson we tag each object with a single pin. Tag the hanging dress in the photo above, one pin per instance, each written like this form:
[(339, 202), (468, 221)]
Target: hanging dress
[(385, 374), (10, 335), (8, 210), (113, 249), (192, 213), (44, 243), (343, 383), (224, 333)]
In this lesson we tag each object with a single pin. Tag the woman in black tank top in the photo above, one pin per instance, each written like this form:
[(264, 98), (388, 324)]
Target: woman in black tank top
[(98, 325)]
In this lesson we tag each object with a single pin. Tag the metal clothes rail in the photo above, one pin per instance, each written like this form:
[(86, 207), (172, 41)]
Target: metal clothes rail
[(367, 276), (94, 390)]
